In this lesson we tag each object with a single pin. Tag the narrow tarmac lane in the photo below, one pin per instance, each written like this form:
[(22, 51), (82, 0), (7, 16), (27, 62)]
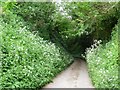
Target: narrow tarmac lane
[(75, 76)]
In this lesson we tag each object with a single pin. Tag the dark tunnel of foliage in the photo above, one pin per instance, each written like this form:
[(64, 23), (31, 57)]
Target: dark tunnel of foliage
[(40, 40), (88, 23)]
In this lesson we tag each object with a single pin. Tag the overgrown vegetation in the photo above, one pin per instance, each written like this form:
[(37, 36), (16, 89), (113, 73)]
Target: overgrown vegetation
[(36, 36), (103, 63), (85, 22), (27, 60), (37, 15)]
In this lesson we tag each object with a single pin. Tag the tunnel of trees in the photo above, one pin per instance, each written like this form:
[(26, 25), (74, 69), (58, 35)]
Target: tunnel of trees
[(41, 39)]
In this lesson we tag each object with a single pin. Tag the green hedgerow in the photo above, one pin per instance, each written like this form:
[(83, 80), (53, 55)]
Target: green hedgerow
[(27, 60), (103, 63)]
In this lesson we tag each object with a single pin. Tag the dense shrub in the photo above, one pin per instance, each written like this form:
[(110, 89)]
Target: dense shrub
[(74, 25), (92, 16), (103, 62), (38, 16), (84, 22), (27, 60)]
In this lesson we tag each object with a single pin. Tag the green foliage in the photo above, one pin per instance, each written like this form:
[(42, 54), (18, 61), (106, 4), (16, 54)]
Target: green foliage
[(103, 62), (27, 60), (85, 22), (75, 27), (86, 14), (37, 15), (8, 5)]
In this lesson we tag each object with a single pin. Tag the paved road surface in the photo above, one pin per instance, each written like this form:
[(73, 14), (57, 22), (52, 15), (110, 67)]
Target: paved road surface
[(75, 76)]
